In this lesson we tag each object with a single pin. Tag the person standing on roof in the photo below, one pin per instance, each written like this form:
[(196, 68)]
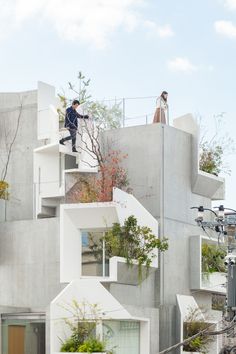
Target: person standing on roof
[(160, 115), (71, 123)]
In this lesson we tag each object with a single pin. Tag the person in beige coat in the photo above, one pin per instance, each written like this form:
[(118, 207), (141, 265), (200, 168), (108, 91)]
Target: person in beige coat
[(160, 115)]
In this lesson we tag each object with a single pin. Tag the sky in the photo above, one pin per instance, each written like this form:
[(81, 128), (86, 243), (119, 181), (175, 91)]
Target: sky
[(129, 48)]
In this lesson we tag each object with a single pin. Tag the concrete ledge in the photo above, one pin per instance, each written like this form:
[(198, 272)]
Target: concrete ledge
[(209, 186), (204, 184)]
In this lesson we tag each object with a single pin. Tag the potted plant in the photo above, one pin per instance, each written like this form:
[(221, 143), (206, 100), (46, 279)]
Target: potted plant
[(193, 324), (213, 267), (82, 325), (90, 345), (133, 242), (214, 149)]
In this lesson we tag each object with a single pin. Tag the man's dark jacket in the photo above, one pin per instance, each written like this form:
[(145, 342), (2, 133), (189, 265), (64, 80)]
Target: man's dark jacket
[(71, 119)]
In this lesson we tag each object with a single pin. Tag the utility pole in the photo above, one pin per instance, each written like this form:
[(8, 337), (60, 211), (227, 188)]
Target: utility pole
[(224, 225)]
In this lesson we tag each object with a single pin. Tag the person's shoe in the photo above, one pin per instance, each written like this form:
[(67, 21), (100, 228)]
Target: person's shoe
[(74, 150), (62, 142)]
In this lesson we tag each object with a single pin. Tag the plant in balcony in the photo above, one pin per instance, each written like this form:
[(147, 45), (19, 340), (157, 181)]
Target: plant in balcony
[(214, 149), (92, 345), (131, 241), (213, 258), (82, 322), (193, 324), (99, 188), (211, 158)]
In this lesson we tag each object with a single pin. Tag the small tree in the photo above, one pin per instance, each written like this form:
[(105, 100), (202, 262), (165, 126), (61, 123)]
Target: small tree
[(107, 160), (193, 324), (9, 140), (109, 163), (213, 258), (82, 322), (103, 115), (213, 150), (130, 241)]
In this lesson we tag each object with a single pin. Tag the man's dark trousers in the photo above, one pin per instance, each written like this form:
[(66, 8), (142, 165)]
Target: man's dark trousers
[(72, 137)]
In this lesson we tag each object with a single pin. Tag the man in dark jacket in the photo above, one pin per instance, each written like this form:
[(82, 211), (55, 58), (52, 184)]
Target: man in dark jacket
[(71, 123)]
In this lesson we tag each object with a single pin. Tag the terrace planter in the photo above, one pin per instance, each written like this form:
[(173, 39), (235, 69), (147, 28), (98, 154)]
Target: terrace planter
[(80, 353), (209, 280)]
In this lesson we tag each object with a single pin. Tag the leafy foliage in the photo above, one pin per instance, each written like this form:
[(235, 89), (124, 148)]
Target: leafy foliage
[(211, 158), (130, 241), (4, 194), (214, 149), (107, 117), (99, 188), (92, 345), (83, 328), (111, 174), (212, 258), (194, 323)]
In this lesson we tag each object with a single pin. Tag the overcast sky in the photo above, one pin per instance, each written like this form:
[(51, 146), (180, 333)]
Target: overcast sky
[(128, 48)]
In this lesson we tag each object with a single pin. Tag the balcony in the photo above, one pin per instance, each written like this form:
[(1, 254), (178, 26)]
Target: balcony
[(199, 280), (81, 222), (114, 324), (185, 306)]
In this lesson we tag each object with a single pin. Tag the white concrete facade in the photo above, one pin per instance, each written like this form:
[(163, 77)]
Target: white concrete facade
[(86, 292), (163, 171)]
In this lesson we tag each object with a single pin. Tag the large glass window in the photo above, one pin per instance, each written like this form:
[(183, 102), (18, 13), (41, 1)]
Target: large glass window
[(94, 260), (23, 336), (123, 337)]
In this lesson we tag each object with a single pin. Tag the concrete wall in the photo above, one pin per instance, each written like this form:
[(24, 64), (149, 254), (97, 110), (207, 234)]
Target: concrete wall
[(20, 170), (153, 315), (159, 166), (29, 263), (143, 295), (143, 144), (29, 249)]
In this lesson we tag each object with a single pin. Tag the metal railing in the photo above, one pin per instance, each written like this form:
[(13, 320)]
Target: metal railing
[(134, 110)]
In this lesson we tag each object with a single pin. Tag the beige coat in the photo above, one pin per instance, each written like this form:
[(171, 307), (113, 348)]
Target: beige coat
[(161, 111), (159, 116)]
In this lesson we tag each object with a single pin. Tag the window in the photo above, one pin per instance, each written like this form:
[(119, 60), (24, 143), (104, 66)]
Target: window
[(122, 336), (94, 262)]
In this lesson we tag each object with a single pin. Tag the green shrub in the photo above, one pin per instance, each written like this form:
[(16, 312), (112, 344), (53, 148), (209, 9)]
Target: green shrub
[(211, 159), (81, 329), (130, 241), (4, 193), (212, 258), (194, 323), (69, 346), (92, 345)]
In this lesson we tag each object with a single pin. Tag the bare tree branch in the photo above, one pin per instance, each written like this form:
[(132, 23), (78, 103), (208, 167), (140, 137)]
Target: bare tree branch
[(5, 169), (87, 163)]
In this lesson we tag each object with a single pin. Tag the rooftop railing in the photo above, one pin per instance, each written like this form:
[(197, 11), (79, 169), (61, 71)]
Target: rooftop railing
[(135, 110)]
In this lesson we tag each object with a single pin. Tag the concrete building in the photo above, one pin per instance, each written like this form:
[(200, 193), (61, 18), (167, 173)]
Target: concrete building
[(43, 256)]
